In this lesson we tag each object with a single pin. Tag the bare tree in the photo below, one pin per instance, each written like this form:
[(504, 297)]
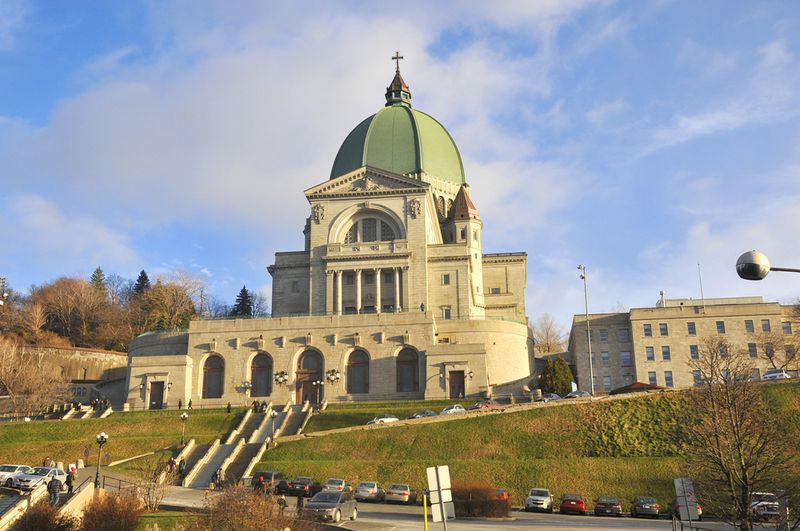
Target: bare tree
[(156, 477), (779, 349), (548, 337), (259, 302), (29, 380), (735, 443)]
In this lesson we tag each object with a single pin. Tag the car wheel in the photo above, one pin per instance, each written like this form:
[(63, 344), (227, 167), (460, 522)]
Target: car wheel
[(9, 482), (550, 510), (355, 514), (337, 516)]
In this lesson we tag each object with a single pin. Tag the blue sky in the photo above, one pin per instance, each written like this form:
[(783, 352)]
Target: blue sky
[(638, 138)]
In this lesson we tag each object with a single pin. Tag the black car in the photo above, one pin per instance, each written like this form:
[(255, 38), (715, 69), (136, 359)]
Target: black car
[(607, 505), (424, 413), (644, 506), (274, 481), (303, 486)]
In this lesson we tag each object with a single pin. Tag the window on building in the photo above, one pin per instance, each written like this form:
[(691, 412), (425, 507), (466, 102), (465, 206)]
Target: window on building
[(663, 329), (607, 383), (603, 335), (668, 379), (446, 279), (358, 372), (494, 291), (756, 374), (765, 327), (752, 348), (691, 329), (720, 327), (387, 234), (446, 313), (369, 278), (698, 379), (650, 353), (624, 334), (464, 234), (475, 235), (648, 330), (627, 379), (625, 358), (786, 326), (261, 375), (388, 277), (748, 326), (594, 382), (349, 279), (652, 378), (369, 230), (407, 370), (604, 359), (593, 363), (665, 354), (723, 351), (694, 352), (213, 377)]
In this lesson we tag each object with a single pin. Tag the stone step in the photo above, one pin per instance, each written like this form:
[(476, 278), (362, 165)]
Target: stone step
[(237, 467)]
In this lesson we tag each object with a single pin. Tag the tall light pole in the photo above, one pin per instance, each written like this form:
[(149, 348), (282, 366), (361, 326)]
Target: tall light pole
[(101, 439), (273, 414), (246, 386), (582, 269), (318, 385), (184, 416), (754, 265)]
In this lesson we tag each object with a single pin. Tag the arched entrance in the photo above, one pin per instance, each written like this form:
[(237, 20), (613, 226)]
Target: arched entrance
[(309, 370), (407, 369), (261, 375), (213, 377), (358, 372)]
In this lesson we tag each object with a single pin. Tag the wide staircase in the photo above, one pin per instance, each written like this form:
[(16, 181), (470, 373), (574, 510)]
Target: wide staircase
[(6, 502), (294, 421), (195, 455), (266, 431)]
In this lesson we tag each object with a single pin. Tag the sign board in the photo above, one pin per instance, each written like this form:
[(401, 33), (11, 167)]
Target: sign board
[(448, 508), (686, 500), (442, 508)]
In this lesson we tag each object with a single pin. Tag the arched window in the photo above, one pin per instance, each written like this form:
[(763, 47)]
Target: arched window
[(387, 234), (213, 376), (440, 206), (370, 229), (261, 375), (407, 371), (358, 372)]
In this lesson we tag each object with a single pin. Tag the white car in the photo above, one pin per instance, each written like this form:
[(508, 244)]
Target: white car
[(9, 472), (383, 419), (776, 374), (39, 475), (539, 500), (455, 408), (764, 506)]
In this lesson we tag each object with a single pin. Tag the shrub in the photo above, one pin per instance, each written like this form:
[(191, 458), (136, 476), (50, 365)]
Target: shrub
[(113, 512), (238, 508), (43, 516), (475, 498)]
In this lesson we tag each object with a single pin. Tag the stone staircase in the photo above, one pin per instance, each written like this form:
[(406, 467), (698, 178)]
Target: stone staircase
[(202, 478), (194, 456), (296, 418), (6, 502), (238, 466)]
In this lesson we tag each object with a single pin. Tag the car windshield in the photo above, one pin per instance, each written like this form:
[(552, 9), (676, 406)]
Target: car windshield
[(541, 493), (302, 480), (774, 371), (398, 487), (610, 500), (40, 471), (366, 485), (571, 497), (764, 497), (646, 499), (326, 497), (8, 468), (335, 482)]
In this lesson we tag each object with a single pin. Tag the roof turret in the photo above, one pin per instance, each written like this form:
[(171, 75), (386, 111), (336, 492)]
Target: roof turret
[(463, 208)]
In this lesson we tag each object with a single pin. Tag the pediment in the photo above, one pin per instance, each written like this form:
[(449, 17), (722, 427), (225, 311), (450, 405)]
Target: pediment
[(367, 181)]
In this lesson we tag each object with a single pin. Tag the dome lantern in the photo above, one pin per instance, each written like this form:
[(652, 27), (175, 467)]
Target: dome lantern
[(398, 92)]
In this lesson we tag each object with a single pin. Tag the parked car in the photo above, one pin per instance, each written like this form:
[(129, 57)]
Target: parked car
[(337, 485), (454, 409), (330, 505), (674, 510), (401, 493), (578, 394), (369, 491), (8, 472), (644, 506), (764, 506), (502, 495), (776, 374), (572, 503), (424, 413), (39, 475), (485, 404), (274, 480), (547, 397), (607, 505), (303, 486), (383, 419), (539, 500)]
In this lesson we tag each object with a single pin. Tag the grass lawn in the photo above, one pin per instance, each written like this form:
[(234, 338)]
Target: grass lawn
[(343, 415), (166, 520)]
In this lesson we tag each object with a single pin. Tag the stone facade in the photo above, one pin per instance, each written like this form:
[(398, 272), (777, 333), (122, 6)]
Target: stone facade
[(655, 345)]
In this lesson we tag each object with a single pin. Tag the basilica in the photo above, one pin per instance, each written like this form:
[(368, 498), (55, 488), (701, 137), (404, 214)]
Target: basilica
[(391, 296)]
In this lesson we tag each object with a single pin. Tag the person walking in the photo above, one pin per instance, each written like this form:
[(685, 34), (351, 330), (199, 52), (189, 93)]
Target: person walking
[(229, 407), (180, 404), (189, 405), (54, 490), (182, 468), (258, 488), (70, 481)]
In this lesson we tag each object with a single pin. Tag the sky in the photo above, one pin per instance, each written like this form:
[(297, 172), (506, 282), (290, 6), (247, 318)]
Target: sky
[(637, 138)]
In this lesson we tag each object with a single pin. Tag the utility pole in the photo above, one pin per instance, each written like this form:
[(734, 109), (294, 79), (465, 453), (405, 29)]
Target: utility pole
[(582, 269)]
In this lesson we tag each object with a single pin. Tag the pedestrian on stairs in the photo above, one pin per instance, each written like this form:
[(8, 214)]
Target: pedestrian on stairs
[(229, 407), (182, 468), (54, 490), (70, 481)]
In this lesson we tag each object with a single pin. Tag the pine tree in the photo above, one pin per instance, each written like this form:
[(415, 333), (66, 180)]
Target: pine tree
[(142, 283), (556, 377), (98, 279), (244, 304)]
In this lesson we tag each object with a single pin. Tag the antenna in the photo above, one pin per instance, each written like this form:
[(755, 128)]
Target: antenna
[(702, 297)]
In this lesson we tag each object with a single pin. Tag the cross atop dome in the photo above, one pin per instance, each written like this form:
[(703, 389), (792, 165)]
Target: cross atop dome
[(397, 93)]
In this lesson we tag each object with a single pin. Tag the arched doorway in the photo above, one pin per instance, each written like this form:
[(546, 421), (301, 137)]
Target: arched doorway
[(358, 372), (407, 369), (261, 375), (309, 370), (213, 377)]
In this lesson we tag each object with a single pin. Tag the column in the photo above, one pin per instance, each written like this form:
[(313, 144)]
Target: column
[(377, 290), (329, 308), (397, 306), (358, 291), (338, 292), (405, 292)]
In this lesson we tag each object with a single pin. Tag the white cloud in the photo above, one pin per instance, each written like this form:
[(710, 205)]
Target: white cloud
[(12, 18), (602, 112)]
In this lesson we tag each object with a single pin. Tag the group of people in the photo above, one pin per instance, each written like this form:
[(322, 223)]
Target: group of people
[(188, 406), (262, 407), (54, 486), (177, 466)]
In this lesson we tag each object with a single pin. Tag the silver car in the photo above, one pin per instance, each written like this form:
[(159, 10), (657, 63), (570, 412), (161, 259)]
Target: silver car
[(9, 472), (369, 491), (331, 506), (39, 476)]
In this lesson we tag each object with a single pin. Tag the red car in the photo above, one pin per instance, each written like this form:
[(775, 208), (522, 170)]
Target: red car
[(484, 404), (502, 495), (572, 503)]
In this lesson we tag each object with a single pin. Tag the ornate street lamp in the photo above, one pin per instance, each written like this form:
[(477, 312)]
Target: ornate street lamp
[(281, 377), (246, 386), (102, 438), (184, 417), (333, 375), (274, 415), (318, 385)]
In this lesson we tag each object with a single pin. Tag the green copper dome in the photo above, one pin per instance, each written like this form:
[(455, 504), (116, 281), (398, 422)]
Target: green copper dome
[(401, 140)]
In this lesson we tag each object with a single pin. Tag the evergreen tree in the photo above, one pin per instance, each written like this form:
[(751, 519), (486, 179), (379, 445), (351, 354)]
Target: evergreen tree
[(556, 377), (244, 304), (142, 283), (98, 279)]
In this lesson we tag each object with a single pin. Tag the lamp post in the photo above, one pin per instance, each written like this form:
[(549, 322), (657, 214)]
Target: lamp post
[(754, 265), (582, 269), (101, 438), (318, 385), (273, 414), (333, 376), (184, 416), (281, 377), (246, 386)]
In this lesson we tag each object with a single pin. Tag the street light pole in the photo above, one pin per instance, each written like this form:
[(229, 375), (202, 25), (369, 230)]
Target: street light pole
[(582, 269), (184, 416), (246, 385), (101, 438), (318, 384), (274, 415)]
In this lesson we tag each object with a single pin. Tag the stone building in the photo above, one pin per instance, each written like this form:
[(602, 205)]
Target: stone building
[(391, 297), (655, 345)]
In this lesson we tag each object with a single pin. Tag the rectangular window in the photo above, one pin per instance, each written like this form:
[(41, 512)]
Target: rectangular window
[(369, 230), (691, 329), (603, 334), (627, 379), (786, 326), (752, 349), (648, 330), (474, 234), (650, 353), (463, 234), (446, 313), (591, 335), (369, 278), (388, 278), (604, 359), (594, 382), (652, 378), (607, 383), (494, 291), (694, 353), (698, 379), (668, 378), (624, 335), (748, 326), (765, 325), (446, 279), (349, 279), (625, 358), (663, 329), (665, 355), (593, 363), (720, 327)]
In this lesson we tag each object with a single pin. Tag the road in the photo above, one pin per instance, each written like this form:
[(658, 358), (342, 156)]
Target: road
[(380, 517)]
